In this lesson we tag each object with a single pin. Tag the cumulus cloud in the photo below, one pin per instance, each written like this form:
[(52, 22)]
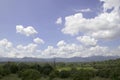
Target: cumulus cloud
[(49, 52), (106, 25), (38, 41), (87, 40), (83, 10), (28, 31), (66, 50), (61, 43), (29, 48), (59, 20), (118, 47), (63, 49), (109, 4), (73, 50), (6, 44), (6, 48), (99, 51)]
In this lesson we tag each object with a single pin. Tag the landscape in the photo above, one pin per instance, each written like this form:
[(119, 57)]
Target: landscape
[(52, 70), (59, 39)]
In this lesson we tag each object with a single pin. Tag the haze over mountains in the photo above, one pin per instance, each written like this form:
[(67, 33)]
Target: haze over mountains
[(57, 59)]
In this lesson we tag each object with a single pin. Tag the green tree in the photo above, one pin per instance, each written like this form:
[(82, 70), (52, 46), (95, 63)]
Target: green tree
[(23, 66), (83, 74), (36, 67), (30, 74), (53, 74), (64, 74), (13, 68), (47, 69)]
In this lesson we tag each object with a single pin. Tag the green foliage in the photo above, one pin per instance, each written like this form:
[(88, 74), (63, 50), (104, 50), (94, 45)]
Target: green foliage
[(23, 66), (1, 72), (10, 77), (99, 78), (6, 68), (9, 68), (36, 67), (53, 74), (30, 74), (47, 69), (105, 70), (83, 74), (64, 74)]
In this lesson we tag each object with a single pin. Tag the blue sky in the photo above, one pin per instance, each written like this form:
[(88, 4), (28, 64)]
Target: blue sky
[(60, 26)]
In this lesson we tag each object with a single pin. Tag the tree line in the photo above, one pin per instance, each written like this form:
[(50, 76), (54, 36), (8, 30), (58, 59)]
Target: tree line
[(27, 71)]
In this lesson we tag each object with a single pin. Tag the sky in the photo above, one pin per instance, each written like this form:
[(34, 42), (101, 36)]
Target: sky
[(59, 28)]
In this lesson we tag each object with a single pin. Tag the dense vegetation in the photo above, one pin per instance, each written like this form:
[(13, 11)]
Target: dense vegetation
[(105, 70)]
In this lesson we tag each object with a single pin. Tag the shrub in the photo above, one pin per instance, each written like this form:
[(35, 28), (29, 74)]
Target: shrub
[(64, 74), (47, 69), (30, 74)]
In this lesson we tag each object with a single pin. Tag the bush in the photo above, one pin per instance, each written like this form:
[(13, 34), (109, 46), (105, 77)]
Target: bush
[(1, 76), (30, 74), (53, 74), (47, 69), (36, 67), (83, 74), (23, 66), (64, 74)]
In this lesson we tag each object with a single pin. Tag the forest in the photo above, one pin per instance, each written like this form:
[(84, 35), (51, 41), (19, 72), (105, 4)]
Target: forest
[(100, 70)]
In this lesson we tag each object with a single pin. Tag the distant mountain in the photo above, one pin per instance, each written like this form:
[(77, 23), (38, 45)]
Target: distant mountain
[(73, 59), (86, 59)]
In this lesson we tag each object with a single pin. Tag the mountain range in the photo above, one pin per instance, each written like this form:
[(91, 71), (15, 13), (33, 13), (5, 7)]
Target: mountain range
[(57, 59)]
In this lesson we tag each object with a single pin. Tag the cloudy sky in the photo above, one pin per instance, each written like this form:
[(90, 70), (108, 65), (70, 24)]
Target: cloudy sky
[(59, 28)]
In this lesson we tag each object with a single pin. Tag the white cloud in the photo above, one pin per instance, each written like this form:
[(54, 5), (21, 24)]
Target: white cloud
[(118, 47), (26, 51), (49, 52), (28, 31), (109, 4), (106, 25), (72, 50), (62, 50), (5, 43), (38, 41), (105, 34), (99, 51), (83, 10), (30, 48), (59, 20), (87, 40), (67, 50), (61, 43), (6, 48)]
